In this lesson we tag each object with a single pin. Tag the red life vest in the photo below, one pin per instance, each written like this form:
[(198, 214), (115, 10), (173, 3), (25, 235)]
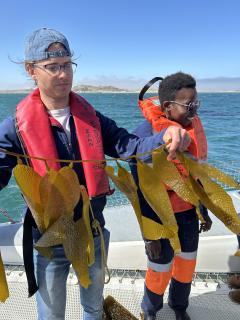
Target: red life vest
[(35, 131), (198, 147)]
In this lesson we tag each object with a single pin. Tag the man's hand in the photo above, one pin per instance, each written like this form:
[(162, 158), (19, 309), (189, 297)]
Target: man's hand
[(180, 141), (153, 249)]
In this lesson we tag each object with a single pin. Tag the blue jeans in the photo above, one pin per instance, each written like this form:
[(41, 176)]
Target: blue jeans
[(52, 275)]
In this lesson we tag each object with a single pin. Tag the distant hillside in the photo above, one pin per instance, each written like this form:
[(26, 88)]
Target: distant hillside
[(219, 84), (208, 85), (12, 91), (76, 88), (90, 88)]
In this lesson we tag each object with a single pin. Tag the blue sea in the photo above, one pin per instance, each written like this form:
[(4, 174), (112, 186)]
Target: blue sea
[(220, 114)]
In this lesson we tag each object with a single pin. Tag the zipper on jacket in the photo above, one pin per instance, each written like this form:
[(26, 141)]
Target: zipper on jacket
[(68, 144)]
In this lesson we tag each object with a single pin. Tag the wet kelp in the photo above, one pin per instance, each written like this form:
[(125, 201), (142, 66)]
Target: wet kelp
[(149, 228), (52, 200), (193, 181), (53, 197), (210, 193), (4, 292)]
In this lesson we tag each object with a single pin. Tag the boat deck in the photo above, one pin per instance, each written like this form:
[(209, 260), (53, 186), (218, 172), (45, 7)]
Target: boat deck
[(208, 301), (209, 296)]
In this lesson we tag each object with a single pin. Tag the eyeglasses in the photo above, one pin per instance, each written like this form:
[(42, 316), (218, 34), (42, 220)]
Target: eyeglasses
[(194, 105), (55, 68)]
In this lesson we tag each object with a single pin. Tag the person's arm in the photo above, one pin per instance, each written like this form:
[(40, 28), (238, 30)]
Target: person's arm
[(10, 142), (118, 142)]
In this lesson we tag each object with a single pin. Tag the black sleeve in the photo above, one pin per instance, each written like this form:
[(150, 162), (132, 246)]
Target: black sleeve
[(10, 142), (118, 142)]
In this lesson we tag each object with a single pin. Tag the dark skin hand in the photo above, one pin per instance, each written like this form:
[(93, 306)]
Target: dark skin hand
[(206, 226), (153, 249)]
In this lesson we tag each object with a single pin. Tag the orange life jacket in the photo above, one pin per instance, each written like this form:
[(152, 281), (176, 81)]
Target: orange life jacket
[(34, 128), (152, 112)]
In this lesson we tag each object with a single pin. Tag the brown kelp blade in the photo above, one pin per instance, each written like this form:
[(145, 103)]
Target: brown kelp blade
[(212, 195), (4, 292), (123, 180), (220, 176), (75, 240), (72, 184), (26, 178), (55, 234), (59, 193), (154, 231), (76, 248), (218, 202), (45, 252), (51, 197), (114, 310), (86, 219), (169, 175), (125, 183), (28, 181), (156, 195), (213, 172)]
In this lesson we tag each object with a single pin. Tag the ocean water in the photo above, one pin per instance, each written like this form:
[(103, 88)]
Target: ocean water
[(220, 114)]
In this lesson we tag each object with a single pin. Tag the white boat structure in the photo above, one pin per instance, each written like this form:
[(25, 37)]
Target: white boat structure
[(127, 263)]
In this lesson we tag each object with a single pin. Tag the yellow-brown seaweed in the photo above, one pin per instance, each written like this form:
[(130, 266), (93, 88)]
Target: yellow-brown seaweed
[(74, 238), (211, 194), (52, 200), (167, 172), (48, 197), (4, 292), (149, 228), (156, 195)]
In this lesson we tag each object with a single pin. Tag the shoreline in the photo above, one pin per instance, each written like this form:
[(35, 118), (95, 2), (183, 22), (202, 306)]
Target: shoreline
[(111, 92), (26, 91)]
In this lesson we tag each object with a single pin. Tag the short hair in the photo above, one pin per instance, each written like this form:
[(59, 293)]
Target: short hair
[(170, 85)]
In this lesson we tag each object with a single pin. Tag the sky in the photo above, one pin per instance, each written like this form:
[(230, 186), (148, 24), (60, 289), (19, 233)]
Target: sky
[(124, 42)]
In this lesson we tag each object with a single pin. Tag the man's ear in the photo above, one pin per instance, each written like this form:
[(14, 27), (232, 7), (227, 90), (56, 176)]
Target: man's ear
[(30, 70)]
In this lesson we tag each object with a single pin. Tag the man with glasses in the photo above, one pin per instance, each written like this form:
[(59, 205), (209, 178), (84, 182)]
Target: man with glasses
[(177, 105), (55, 123)]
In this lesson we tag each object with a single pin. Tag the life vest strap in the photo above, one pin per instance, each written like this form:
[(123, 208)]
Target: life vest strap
[(28, 254), (147, 86)]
